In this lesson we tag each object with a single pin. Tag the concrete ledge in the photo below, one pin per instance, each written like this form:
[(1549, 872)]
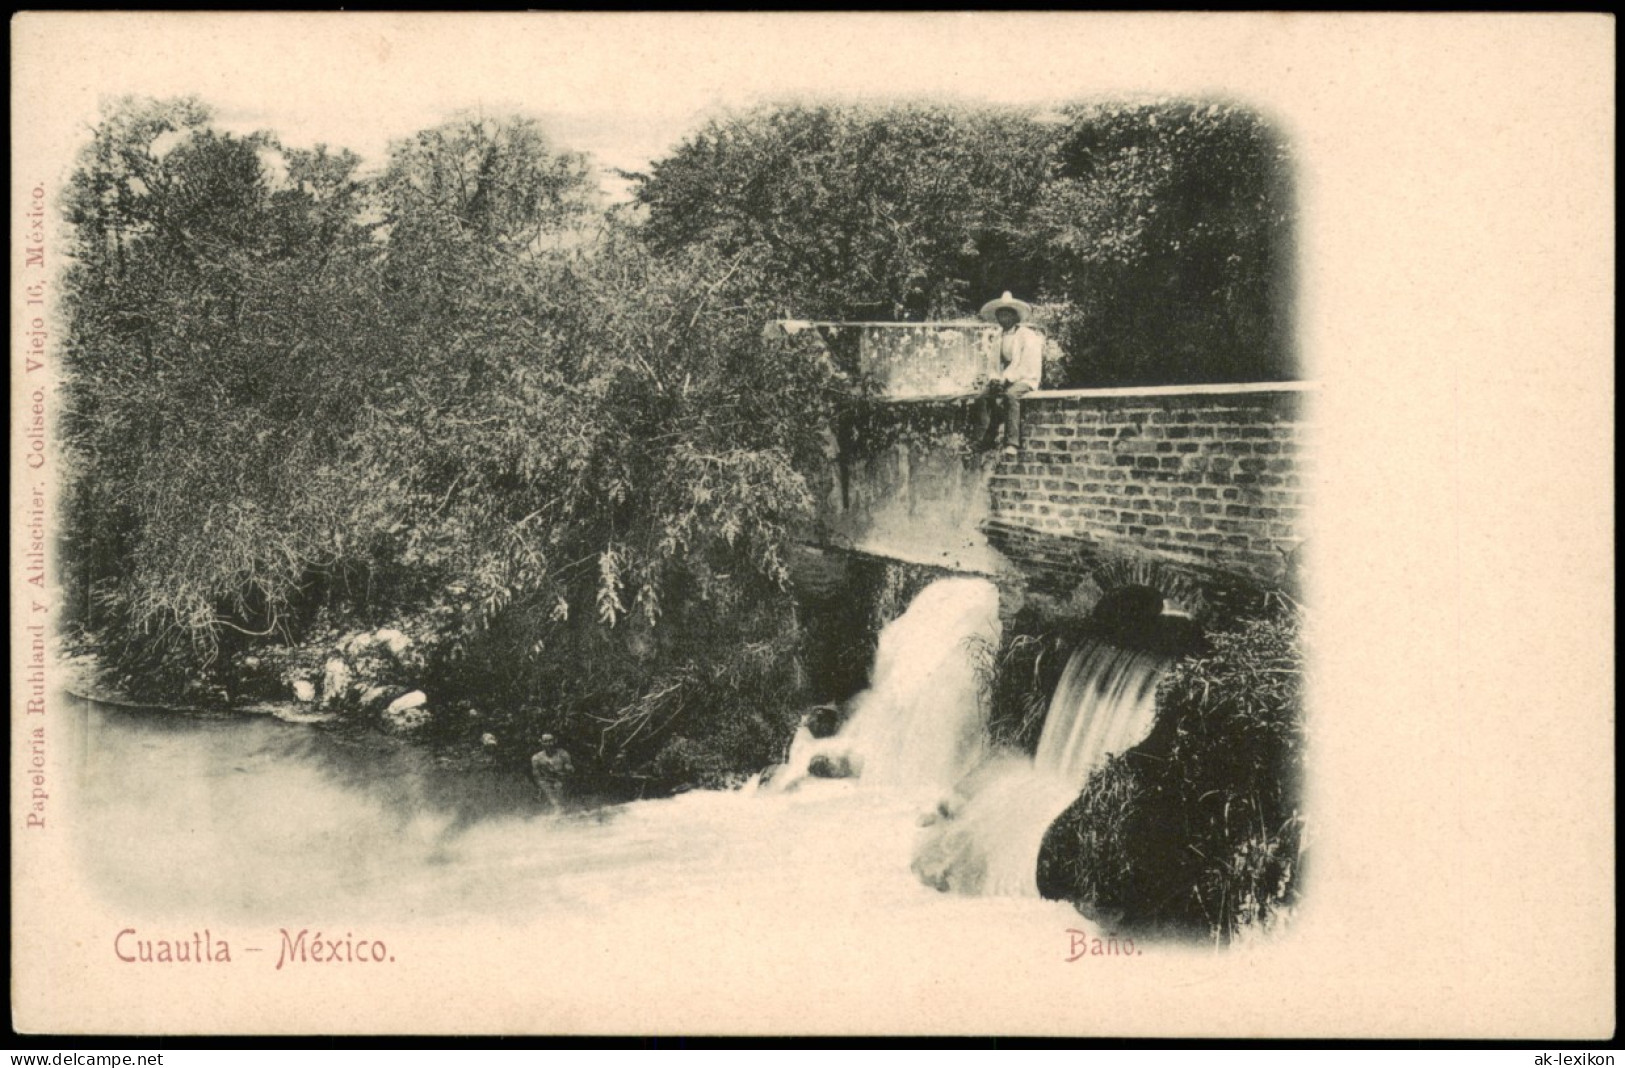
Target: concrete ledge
[(1217, 389), (1221, 389)]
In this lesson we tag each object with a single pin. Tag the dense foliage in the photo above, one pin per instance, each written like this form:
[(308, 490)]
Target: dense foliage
[(302, 400), (1159, 232), (1198, 830), (1166, 238), (209, 304), (456, 396), (856, 212)]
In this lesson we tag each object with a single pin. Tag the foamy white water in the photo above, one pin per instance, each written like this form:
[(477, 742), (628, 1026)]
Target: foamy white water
[(250, 820), (1105, 703), (922, 723), (251, 817), (988, 840)]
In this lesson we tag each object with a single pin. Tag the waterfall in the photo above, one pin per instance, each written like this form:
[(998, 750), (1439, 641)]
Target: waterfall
[(922, 723), (985, 838), (1105, 703), (921, 728)]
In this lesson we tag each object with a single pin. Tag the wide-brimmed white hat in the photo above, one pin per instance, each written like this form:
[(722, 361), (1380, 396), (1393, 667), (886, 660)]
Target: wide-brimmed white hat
[(1022, 309)]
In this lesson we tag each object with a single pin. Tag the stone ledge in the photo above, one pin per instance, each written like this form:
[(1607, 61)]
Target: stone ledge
[(1216, 389), (1222, 389)]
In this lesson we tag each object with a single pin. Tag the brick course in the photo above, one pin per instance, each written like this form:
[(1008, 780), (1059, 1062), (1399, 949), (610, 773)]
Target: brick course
[(1208, 480)]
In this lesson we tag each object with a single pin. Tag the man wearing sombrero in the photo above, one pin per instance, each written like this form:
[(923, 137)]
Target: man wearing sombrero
[(1021, 359)]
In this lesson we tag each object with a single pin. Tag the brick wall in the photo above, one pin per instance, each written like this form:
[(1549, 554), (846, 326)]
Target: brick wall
[(1207, 480)]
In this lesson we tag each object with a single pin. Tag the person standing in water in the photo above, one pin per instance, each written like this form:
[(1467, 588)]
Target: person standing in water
[(1021, 361), (548, 768)]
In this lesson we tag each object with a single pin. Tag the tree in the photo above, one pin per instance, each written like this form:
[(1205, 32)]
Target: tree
[(1160, 231), (906, 212), (1167, 239), (552, 443), (211, 293), (495, 183), (678, 447), (302, 402)]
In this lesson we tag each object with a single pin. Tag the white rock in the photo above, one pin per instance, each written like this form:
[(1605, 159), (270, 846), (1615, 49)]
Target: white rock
[(304, 691), (336, 680), (407, 701), (395, 641)]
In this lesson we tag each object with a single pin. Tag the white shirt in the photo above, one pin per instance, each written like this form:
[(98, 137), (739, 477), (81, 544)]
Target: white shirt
[(1021, 351)]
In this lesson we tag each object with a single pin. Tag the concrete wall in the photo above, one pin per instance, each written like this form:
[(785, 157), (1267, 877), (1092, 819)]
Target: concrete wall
[(920, 495), (1199, 491), (927, 360)]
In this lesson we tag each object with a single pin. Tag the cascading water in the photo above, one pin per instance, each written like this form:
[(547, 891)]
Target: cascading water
[(259, 819), (1105, 703), (921, 730), (922, 722), (986, 838)]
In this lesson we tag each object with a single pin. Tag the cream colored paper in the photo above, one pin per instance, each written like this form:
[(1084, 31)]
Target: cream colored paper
[(1456, 306)]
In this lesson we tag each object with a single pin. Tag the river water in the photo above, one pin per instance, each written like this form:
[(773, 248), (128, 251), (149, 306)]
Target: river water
[(248, 818)]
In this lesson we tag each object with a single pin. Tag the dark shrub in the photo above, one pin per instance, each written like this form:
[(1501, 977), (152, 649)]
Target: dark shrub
[(1199, 828)]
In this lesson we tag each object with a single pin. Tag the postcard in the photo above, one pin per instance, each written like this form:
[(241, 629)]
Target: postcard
[(1043, 524)]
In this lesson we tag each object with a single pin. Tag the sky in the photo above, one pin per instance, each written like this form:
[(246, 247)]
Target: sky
[(626, 88)]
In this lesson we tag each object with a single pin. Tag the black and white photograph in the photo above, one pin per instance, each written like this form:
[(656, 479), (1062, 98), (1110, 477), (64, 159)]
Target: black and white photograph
[(1052, 525)]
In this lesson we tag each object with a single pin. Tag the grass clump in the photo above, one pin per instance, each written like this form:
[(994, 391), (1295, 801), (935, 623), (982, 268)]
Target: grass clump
[(1198, 831)]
